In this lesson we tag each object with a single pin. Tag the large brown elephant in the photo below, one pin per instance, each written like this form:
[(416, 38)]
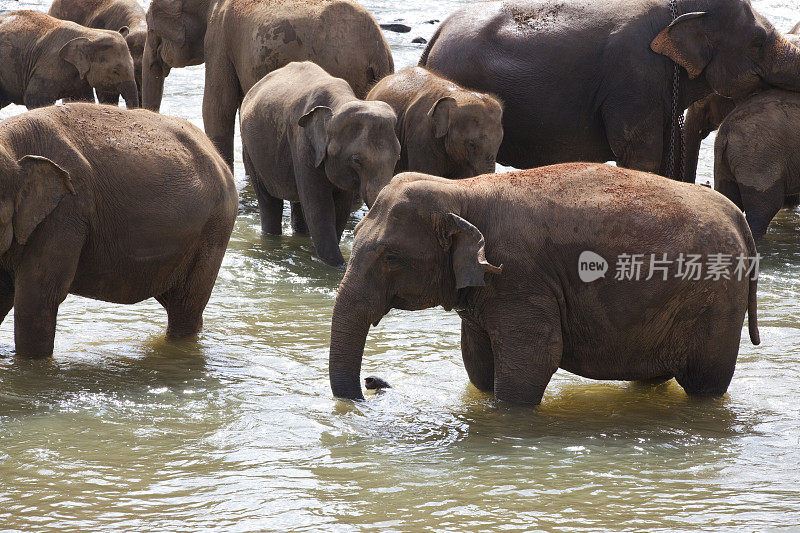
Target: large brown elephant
[(705, 116), (113, 205), (45, 59), (593, 80), (444, 129), (757, 156), (306, 138), (124, 16), (243, 40), (521, 258)]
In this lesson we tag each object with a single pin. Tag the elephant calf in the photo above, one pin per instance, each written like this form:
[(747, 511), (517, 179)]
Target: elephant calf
[(113, 205), (444, 129), (307, 138), (577, 266), (757, 156), (125, 16), (45, 59)]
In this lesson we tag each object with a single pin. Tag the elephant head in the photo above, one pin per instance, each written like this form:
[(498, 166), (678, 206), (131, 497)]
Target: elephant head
[(415, 249), (470, 125), (31, 189), (736, 49), (104, 61), (176, 31), (356, 144)]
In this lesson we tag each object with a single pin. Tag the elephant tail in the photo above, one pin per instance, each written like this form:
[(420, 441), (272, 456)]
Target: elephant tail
[(423, 60), (752, 293)]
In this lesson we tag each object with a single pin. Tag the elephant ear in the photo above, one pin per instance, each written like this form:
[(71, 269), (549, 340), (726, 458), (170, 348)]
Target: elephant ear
[(165, 18), (439, 113), (685, 42), (77, 52), (315, 124), (467, 251), (42, 186)]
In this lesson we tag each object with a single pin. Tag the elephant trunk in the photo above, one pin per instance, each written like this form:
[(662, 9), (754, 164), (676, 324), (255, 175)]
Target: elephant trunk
[(130, 93), (349, 329), (153, 73), (785, 71)]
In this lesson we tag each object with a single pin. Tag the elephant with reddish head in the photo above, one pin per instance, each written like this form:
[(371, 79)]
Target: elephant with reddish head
[(505, 252), (45, 59), (243, 40), (124, 16), (109, 204), (593, 80)]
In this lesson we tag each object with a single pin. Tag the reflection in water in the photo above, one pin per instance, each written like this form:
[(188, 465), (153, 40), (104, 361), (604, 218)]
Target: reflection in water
[(237, 430)]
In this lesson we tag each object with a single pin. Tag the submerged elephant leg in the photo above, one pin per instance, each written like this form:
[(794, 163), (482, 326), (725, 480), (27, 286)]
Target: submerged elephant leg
[(711, 361), (320, 214), (6, 295), (476, 350), (299, 226), (269, 207), (343, 204), (527, 351)]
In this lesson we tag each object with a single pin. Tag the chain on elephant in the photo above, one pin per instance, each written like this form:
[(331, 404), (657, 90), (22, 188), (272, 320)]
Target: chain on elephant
[(677, 146)]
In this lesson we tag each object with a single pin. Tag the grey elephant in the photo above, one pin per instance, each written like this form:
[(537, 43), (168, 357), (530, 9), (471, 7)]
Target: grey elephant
[(306, 138), (125, 16), (757, 156), (593, 80), (242, 40), (110, 204), (705, 116), (508, 253), (444, 129), (46, 59)]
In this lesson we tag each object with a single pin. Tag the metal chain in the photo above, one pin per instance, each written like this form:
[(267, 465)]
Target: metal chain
[(675, 161)]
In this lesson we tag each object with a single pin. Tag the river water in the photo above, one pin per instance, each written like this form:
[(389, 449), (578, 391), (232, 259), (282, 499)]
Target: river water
[(123, 431)]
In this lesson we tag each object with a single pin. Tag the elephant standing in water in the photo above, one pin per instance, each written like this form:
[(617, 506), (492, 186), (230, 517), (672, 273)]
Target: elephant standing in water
[(113, 205), (593, 80), (307, 138), (243, 40), (125, 16), (757, 156), (45, 59), (504, 251), (705, 116), (444, 129)]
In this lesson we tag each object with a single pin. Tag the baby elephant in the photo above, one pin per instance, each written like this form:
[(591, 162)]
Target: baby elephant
[(306, 138), (585, 267), (45, 59), (444, 129), (757, 156), (125, 16), (113, 205)]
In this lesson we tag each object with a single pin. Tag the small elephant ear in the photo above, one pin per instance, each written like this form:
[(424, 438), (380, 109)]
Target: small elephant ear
[(124, 31), (467, 250), (76, 52), (42, 186), (439, 113), (685, 42), (315, 124), (165, 18)]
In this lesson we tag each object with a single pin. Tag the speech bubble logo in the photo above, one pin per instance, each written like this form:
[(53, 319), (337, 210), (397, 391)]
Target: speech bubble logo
[(591, 266)]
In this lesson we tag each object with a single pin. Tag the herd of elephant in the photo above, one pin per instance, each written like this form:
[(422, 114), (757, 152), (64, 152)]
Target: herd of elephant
[(124, 205)]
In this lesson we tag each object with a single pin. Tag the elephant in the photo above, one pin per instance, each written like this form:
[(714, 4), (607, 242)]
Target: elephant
[(757, 156), (593, 80), (509, 252), (46, 59), (705, 116), (795, 29), (110, 204), (444, 129), (125, 16), (243, 40), (308, 139)]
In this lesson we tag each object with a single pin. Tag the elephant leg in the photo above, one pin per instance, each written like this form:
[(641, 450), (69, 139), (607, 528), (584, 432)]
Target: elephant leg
[(270, 209), (299, 226), (39, 93), (711, 361), (108, 98), (6, 294), (320, 214), (527, 350), (761, 206), (343, 204), (84, 94), (635, 136), (221, 100), (476, 350)]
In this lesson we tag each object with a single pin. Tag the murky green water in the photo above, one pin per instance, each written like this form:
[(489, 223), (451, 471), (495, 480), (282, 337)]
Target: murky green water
[(123, 431)]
